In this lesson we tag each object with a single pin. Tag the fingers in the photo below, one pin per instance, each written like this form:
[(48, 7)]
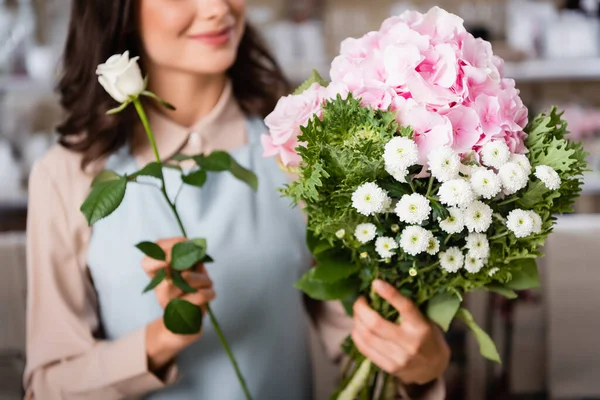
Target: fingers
[(197, 280), (168, 244), (386, 355), (152, 266), (374, 323), (410, 313), (201, 297)]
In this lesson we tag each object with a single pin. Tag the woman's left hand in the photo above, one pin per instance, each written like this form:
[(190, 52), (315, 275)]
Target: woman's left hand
[(414, 350)]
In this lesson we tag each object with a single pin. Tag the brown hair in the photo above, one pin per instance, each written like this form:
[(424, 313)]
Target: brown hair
[(101, 28)]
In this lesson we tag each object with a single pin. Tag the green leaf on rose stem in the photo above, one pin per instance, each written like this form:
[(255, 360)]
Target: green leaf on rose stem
[(196, 178), (217, 161), (158, 278), (181, 157), (314, 78), (503, 291), (332, 268), (244, 175), (159, 100), (182, 317), (118, 109), (201, 243), (207, 259), (442, 308), (487, 347), (327, 291), (185, 255), (524, 275), (103, 200), (181, 283), (173, 166), (105, 176), (154, 169), (152, 250)]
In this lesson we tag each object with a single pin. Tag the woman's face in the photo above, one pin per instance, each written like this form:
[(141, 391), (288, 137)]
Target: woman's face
[(196, 36)]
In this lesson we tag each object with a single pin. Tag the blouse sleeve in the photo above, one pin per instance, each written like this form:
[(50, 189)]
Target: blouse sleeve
[(65, 358)]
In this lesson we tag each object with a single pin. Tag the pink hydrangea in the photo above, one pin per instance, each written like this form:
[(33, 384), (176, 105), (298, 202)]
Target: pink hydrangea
[(291, 112)]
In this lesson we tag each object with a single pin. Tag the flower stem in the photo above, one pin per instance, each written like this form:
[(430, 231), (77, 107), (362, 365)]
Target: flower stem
[(213, 319), (508, 201), (430, 186), (525, 257), (498, 236)]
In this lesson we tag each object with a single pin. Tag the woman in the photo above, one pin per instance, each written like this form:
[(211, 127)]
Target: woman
[(91, 334)]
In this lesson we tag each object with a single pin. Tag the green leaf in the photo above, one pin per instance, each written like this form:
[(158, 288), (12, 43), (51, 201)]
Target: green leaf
[(533, 195), (196, 178), (217, 161), (200, 242), (118, 109), (396, 189), (181, 283), (557, 155), (331, 268), (327, 291), (244, 174), (439, 211), (174, 167), (104, 199), (524, 275), (185, 255), (487, 348), (105, 176), (154, 169), (348, 304), (168, 106), (207, 259), (181, 157), (316, 245), (442, 308), (501, 290), (152, 250), (182, 317), (314, 78), (158, 278)]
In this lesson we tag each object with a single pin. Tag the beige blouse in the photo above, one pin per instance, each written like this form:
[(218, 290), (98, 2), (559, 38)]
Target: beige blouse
[(66, 355)]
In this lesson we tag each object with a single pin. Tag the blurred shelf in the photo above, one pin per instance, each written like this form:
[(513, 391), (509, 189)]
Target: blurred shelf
[(554, 70)]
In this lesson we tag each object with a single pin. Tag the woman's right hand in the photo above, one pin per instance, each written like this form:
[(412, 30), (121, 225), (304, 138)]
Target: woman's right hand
[(161, 344)]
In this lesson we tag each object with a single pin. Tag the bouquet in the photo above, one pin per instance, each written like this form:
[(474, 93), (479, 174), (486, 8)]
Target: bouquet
[(122, 79), (417, 165)]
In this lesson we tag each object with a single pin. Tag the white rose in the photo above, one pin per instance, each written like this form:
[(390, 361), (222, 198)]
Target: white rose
[(121, 77)]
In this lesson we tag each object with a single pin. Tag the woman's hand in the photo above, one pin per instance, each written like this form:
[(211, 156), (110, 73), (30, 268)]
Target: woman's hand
[(414, 350), (161, 344)]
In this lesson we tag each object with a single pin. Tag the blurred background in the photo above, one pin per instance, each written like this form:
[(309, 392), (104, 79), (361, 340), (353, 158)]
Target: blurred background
[(549, 340)]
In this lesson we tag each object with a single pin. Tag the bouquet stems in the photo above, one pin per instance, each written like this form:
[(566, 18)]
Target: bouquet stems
[(213, 319)]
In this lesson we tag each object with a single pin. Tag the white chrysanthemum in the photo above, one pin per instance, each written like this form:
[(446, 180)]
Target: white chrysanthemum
[(485, 183), (364, 233), (397, 173), (478, 216), (493, 271), (473, 264), (522, 161), (370, 199), (537, 222), (520, 223), (444, 163), (413, 208), (385, 246), (495, 154), (452, 259), (513, 177), (415, 240), (433, 247), (455, 223), (456, 192), (478, 245), (401, 153), (549, 176), (340, 234)]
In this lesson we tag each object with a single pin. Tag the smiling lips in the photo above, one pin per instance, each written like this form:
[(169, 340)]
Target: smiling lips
[(214, 38)]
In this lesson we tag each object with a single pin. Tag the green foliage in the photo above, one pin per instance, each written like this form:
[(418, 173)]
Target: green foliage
[(219, 161), (158, 278), (320, 290), (154, 169), (314, 78), (105, 197), (152, 250), (196, 178), (180, 282), (186, 255), (442, 308), (487, 348), (182, 317)]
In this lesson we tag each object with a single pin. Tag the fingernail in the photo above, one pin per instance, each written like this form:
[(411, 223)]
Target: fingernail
[(380, 285)]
